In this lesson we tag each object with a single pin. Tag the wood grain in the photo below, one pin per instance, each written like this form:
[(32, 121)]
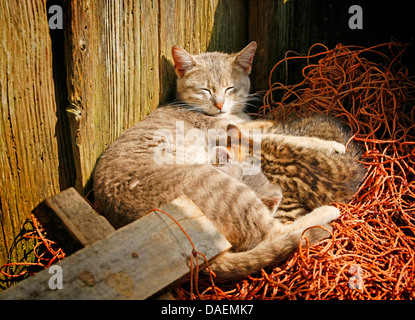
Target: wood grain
[(29, 162), (282, 26), (71, 221), (198, 26), (116, 69), (113, 76), (135, 262)]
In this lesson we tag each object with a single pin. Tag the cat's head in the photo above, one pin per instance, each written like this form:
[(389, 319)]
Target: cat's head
[(215, 83)]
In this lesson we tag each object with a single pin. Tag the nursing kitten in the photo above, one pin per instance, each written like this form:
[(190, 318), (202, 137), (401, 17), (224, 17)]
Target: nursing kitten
[(130, 179), (310, 173), (270, 194)]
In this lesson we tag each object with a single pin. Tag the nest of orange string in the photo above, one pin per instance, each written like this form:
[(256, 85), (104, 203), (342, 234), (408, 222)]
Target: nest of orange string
[(371, 251), (39, 253)]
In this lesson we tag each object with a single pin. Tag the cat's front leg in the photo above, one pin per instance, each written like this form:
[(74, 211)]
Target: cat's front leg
[(308, 143), (319, 216), (257, 124), (317, 144)]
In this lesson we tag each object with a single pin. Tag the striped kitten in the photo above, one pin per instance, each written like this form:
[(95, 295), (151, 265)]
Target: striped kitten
[(307, 159), (129, 180)]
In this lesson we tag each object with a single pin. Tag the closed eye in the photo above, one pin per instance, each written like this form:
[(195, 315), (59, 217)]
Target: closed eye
[(229, 89), (206, 91)]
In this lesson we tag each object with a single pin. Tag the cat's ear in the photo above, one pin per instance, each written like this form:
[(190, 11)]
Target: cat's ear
[(238, 144), (235, 135), (222, 155), (183, 61), (245, 57)]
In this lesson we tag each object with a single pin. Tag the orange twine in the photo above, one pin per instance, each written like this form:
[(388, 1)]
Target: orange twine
[(45, 253)]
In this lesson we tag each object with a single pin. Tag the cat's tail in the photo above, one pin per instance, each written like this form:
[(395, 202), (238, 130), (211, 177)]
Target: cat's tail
[(271, 251)]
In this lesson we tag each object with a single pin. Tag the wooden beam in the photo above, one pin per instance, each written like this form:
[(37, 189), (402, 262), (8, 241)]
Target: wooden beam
[(135, 262), (71, 221)]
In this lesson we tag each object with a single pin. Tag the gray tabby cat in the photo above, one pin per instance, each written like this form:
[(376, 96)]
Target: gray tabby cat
[(129, 180)]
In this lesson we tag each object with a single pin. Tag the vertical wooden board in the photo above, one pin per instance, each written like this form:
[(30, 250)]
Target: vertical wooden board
[(188, 24), (71, 222), (264, 29), (230, 26), (28, 148), (112, 73), (149, 56)]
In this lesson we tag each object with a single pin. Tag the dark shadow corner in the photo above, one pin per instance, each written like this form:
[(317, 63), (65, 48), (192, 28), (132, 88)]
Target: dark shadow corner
[(67, 173)]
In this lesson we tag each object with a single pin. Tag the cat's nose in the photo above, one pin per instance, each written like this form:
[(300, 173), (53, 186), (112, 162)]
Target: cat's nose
[(219, 105)]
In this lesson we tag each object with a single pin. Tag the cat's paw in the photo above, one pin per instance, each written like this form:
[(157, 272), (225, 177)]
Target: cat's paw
[(326, 214), (336, 147)]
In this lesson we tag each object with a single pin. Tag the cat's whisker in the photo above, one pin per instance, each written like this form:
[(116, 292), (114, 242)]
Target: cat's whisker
[(251, 105)]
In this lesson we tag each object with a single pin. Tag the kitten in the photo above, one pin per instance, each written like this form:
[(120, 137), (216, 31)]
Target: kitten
[(270, 194), (129, 180), (318, 171)]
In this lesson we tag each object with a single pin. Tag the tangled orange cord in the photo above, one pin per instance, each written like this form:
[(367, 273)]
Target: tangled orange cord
[(44, 252), (371, 253)]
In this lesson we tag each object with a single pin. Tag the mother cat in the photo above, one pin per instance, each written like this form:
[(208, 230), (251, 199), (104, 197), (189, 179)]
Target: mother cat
[(213, 89)]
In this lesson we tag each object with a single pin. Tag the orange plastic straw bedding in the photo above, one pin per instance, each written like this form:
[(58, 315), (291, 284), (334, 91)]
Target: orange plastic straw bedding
[(371, 251)]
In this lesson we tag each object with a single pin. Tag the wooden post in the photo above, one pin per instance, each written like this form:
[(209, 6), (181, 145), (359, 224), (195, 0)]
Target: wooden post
[(137, 261), (113, 74), (29, 162)]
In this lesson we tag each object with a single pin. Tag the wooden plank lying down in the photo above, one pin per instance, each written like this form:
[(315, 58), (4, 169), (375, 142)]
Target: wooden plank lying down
[(135, 262)]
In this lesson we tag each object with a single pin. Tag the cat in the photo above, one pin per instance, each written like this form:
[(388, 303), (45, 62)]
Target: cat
[(306, 157), (213, 89)]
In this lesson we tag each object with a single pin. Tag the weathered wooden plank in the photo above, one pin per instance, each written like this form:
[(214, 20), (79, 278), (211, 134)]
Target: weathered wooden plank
[(135, 262), (71, 221), (28, 147), (113, 73), (181, 23)]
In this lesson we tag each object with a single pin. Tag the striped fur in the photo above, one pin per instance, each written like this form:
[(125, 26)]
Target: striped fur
[(310, 176)]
